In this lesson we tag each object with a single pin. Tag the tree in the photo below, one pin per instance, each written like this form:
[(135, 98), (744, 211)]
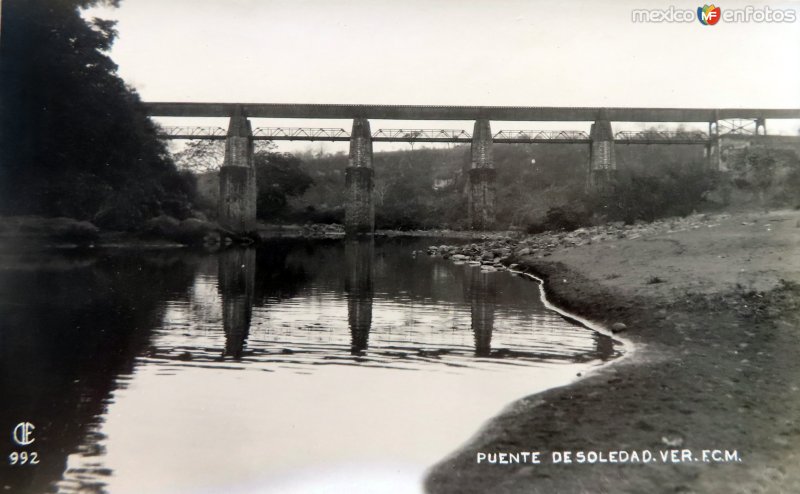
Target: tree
[(200, 156), (203, 155), (768, 173), (74, 139), (278, 177), (412, 136)]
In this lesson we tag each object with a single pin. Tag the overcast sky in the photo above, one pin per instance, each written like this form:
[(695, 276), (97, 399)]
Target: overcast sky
[(460, 52)]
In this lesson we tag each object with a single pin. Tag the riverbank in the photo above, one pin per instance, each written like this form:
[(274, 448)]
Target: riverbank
[(712, 304), (163, 232)]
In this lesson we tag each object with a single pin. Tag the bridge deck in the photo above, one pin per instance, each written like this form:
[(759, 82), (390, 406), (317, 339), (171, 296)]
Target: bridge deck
[(423, 112)]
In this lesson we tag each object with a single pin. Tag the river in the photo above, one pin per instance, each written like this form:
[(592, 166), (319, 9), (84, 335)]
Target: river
[(348, 365)]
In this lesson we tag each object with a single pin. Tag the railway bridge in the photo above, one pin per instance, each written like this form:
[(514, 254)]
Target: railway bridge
[(237, 208)]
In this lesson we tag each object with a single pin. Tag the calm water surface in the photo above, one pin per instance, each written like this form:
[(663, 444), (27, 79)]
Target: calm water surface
[(300, 366)]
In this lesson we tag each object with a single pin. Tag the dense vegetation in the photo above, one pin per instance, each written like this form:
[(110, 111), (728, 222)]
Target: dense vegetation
[(74, 138), (279, 177), (770, 177), (539, 186)]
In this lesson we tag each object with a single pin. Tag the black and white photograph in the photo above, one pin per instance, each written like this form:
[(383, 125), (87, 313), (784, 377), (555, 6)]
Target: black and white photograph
[(382, 247)]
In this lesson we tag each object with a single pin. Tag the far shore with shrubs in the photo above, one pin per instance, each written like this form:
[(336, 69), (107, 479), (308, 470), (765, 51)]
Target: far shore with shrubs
[(292, 203)]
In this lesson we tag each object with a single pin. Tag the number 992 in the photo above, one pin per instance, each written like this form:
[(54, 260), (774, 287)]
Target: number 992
[(23, 458)]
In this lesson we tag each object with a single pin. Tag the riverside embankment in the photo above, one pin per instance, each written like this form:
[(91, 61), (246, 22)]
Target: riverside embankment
[(712, 305)]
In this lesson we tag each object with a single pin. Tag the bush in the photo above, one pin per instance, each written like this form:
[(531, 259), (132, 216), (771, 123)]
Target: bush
[(566, 218), (770, 176), (561, 218), (647, 195), (57, 229), (162, 227), (69, 230), (192, 231)]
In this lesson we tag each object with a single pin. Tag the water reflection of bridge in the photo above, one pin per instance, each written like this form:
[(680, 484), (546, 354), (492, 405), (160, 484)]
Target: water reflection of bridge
[(60, 366), (481, 293), (236, 281), (237, 275), (358, 285), (236, 284)]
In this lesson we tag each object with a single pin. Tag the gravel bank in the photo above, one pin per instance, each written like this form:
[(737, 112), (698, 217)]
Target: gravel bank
[(713, 305)]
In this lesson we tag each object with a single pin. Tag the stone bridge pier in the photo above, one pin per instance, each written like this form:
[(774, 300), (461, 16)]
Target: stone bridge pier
[(602, 157), (481, 190), (359, 213), (712, 150), (237, 178), (761, 126)]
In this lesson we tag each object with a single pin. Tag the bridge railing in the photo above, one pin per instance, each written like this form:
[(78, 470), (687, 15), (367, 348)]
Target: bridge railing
[(301, 133), (438, 135), (192, 132), (449, 135), (541, 135), (661, 136)]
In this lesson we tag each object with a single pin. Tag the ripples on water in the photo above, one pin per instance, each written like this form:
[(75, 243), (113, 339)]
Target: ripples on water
[(348, 365)]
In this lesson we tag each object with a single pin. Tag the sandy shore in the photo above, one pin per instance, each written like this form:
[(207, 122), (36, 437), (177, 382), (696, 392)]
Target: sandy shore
[(714, 315)]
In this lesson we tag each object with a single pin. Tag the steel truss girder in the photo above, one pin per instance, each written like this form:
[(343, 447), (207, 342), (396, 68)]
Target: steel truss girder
[(541, 135), (420, 134), (437, 135), (300, 133), (661, 137), (737, 126), (192, 132)]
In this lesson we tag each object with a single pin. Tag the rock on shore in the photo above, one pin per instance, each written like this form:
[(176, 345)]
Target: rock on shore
[(501, 252)]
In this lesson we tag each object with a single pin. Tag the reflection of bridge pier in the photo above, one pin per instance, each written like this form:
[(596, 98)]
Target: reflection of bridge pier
[(359, 288), (482, 298), (236, 281)]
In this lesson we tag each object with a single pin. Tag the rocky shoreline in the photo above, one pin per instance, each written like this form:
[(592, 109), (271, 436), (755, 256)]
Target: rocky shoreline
[(23, 232), (717, 336), (504, 251)]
